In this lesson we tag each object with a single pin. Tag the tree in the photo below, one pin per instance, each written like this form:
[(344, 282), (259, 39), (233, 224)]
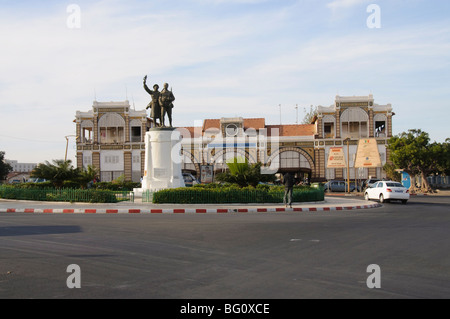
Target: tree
[(391, 172), (57, 173), (5, 168), (413, 152), (87, 175), (309, 116), (244, 174)]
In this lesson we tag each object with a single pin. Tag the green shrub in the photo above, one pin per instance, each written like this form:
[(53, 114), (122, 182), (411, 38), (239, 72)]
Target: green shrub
[(60, 195), (234, 194)]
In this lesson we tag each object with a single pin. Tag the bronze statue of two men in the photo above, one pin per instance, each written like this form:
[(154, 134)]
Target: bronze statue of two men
[(161, 104)]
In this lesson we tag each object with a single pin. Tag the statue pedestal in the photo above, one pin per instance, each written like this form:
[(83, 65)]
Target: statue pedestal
[(162, 160)]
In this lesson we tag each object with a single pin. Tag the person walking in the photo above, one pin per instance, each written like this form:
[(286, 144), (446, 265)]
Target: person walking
[(288, 181)]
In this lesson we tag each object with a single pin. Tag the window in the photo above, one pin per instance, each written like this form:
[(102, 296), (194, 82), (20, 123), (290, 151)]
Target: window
[(136, 134), (231, 130), (111, 126), (87, 129), (291, 159), (354, 123), (329, 126), (380, 125)]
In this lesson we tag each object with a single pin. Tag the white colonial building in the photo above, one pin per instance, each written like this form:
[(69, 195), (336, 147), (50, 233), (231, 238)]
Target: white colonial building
[(110, 137)]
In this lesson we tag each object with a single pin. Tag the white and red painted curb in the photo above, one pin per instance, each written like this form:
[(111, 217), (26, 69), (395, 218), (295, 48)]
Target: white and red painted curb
[(183, 210)]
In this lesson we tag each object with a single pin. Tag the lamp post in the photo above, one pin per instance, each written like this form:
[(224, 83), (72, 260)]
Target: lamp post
[(280, 113), (67, 143), (348, 164)]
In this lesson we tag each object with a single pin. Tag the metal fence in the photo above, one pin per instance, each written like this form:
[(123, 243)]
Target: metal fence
[(66, 195), (229, 196)]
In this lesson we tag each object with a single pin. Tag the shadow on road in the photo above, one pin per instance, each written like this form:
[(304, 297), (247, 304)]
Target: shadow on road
[(37, 230)]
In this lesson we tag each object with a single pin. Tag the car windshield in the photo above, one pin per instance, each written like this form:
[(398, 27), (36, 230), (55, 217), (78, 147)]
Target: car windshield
[(394, 185)]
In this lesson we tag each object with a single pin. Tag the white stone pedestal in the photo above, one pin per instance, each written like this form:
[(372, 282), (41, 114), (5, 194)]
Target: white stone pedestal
[(162, 160)]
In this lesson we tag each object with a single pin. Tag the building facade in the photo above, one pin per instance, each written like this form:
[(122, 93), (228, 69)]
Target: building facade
[(300, 149), (111, 138), (21, 167)]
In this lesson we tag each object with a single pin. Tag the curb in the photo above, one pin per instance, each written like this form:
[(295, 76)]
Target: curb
[(182, 211)]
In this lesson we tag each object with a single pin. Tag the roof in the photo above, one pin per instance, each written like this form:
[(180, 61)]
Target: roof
[(254, 123), (258, 123), (293, 130), (211, 123), (190, 132)]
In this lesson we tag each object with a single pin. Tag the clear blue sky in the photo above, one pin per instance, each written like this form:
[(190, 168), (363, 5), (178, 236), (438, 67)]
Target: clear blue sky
[(221, 57)]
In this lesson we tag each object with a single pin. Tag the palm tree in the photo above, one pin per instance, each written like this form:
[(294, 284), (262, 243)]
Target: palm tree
[(87, 175), (57, 173)]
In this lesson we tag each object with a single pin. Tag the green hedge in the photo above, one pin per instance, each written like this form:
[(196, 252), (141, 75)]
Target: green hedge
[(231, 194), (58, 195)]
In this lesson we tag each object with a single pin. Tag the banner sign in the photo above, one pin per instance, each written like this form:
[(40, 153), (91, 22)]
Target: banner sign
[(336, 158), (367, 154)]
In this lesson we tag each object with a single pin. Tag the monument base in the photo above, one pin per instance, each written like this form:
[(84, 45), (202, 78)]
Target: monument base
[(162, 167)]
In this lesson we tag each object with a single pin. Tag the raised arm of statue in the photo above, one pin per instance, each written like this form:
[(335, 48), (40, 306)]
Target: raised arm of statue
[(146, 87)]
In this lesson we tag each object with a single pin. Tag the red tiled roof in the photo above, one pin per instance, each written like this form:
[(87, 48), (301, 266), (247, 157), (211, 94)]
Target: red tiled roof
[(259, 123), (190, 132), (293, 130), (211, 123), (254, 123)]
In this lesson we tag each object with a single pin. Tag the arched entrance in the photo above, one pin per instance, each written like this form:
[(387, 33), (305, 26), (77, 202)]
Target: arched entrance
[(294, 160), (190, 164), (220, 158)]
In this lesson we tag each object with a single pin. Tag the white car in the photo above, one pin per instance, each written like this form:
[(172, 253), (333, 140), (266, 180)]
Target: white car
[(384, 191)]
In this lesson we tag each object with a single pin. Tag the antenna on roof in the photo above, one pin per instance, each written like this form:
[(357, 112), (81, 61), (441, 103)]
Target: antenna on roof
[(126, 92), (95, 95), (132, 98)]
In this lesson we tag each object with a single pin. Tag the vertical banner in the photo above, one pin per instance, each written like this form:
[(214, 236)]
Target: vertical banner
[(336, 158), (206, 172), (367, 154)]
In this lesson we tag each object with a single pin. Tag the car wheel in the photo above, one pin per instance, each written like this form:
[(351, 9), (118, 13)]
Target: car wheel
[(382, 198), (366, 196), (404, 201)]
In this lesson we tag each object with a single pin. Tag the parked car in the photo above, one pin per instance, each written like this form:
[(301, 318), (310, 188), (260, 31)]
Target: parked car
[(190, 180), (339, 186), (385, 191)]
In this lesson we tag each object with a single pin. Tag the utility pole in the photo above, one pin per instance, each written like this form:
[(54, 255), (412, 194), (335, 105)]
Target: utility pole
[(67, 144), (348, 164), (280, 113)]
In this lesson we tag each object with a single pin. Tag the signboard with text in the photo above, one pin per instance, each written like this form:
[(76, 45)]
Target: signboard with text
[(336, 158), (367, 154)]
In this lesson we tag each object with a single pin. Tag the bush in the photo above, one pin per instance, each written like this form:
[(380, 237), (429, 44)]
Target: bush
[(233, 194), (60, 195)]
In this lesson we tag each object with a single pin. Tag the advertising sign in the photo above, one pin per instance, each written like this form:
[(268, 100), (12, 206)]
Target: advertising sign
[(336, 158), (367, 154), (206, 174)]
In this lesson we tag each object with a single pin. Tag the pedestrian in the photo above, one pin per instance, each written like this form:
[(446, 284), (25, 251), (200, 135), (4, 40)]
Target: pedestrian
[(288, 181)]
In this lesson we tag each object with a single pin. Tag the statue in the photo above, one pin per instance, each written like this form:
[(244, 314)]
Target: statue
[(154, 104), (166, 99)]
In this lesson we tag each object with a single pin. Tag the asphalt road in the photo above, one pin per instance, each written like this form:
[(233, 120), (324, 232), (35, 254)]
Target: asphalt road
[(231, 256)]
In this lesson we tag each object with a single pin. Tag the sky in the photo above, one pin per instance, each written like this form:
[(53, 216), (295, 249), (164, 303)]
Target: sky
[(222, 58)]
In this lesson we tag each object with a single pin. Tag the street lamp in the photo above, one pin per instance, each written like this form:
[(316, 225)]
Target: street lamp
[(348, 164), (67, 143), (280, 113)]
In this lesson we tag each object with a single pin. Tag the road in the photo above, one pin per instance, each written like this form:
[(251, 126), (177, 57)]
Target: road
[(230, 256)]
